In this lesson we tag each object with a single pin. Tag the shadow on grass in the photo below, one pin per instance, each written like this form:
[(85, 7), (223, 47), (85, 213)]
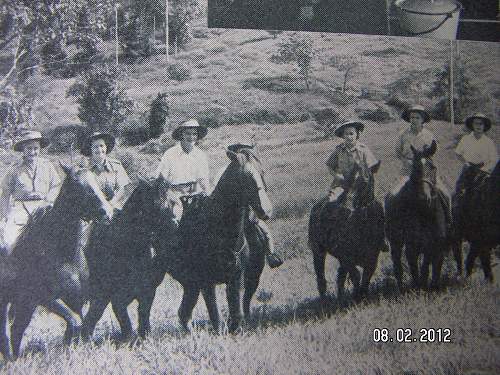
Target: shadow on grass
[(254, 40)]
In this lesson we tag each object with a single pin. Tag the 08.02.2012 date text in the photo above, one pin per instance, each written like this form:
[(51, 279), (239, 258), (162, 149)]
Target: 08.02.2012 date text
[(408, 335)]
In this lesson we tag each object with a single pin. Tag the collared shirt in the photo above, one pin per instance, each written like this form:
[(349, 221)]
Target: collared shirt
[(20, 181), (418, 141), (179, 167), (110, 176), (481, 150), (344, 158)]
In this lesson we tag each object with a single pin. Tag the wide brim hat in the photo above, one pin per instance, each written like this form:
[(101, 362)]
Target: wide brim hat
[(190, 124), (482, 116), (339, 129), (108, 139), (238, 146), (416, 108), (27, 136)]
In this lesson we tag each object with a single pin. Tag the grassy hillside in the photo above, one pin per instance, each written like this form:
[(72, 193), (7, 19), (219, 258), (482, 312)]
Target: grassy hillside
[(291, 331)]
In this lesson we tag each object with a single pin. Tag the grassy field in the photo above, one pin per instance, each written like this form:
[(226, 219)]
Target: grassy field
[(290, 332)]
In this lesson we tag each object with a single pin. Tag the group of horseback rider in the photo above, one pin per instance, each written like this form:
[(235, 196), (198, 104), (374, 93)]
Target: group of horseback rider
[(34, 182)]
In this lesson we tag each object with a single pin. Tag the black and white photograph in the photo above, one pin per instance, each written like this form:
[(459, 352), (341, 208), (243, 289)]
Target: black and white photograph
[(441, 19), (185, 199)]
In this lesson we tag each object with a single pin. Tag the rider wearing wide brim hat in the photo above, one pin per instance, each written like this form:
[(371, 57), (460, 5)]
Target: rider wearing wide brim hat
[(30, 184), (106, 137), (27, 136), (416, 108), (478, 115), (339, 129), (189, 124)]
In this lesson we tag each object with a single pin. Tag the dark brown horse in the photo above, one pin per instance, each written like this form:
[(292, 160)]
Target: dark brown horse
[(213, 248), (122, 265), (416, 219), (46, 264), (352, 230), (477, 218)]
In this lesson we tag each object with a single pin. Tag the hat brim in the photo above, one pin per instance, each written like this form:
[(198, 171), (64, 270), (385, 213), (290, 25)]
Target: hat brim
[(239, 146), (108, 139), (487, 122), (18, 146), (406, 114), (339, 131), (177, 133)]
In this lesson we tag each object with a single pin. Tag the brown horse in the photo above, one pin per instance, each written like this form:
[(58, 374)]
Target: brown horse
[(351, 230), (213, 248), (477, 219), (416, 219), (46, 264)]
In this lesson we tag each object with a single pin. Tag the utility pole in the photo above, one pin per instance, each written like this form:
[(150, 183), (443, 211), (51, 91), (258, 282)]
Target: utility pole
[(116, 34), (166, 29), (452, 87)]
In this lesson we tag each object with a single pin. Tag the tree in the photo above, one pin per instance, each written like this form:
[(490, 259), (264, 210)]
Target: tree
[(297, 50), (345, 64), (135, 42), (102, 104), (465, 93), (158, 115)]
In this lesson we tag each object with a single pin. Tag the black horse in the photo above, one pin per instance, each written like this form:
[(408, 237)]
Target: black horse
[(352, 230), (46, 264), (416, 218), (122, 263), (213, 248), (477, 219)]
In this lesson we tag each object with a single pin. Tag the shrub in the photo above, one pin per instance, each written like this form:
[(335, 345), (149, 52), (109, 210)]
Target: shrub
[(158, 114), (62, 137), (179, 72), (102, 104)]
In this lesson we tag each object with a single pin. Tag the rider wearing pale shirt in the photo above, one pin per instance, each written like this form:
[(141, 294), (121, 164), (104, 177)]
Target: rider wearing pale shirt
[(476, 149), (28, 185), (185, 166), (417, 136)]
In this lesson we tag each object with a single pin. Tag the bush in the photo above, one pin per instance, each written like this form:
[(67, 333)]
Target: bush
[(179, 72), (398, 103), (157, 146), (62, 137), (102, 104), (158, 114)]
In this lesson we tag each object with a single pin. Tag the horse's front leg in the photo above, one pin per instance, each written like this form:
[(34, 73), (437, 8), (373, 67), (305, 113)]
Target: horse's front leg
[(233, 301), (73, 319), (319, 267), (4, 339), (24, 312), (189, 300), (341, 277), (485, 257), (211, 303), (412, 258), (456, 247), (396, 253), (471, 258), (145, 303), (437, 265), (120, 309)]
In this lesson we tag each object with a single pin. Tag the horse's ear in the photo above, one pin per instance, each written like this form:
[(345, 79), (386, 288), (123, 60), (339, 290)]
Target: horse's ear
[(376, 167), (68, 170), (433, 148)]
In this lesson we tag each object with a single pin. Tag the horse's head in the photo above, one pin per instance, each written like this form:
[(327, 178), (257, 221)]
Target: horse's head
[(423, 174), (166, 204), (249, 181), (360, 186), (81, 190)]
